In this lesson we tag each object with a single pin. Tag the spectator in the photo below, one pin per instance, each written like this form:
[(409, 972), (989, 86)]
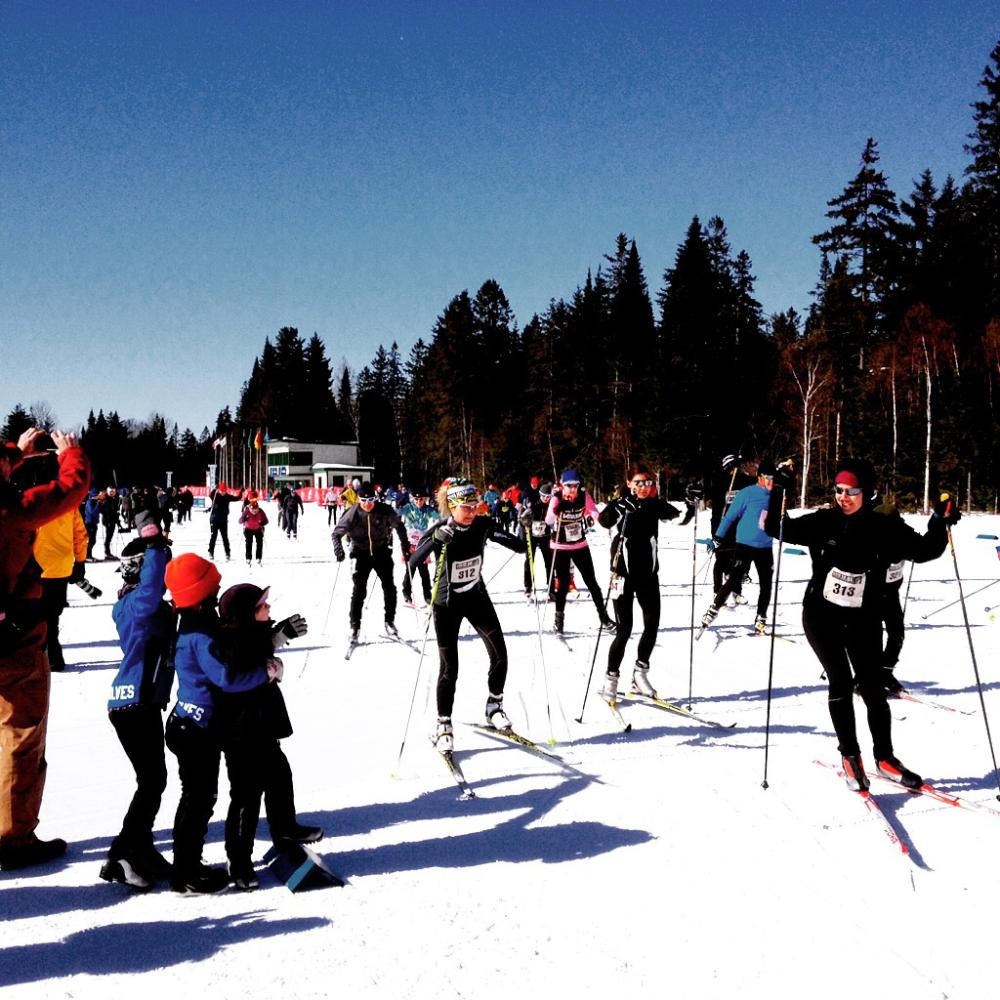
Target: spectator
[(24, 667)]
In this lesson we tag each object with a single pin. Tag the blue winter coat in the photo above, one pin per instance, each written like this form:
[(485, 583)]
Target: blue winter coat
[(199, 671), (144, 622), (92, 510), (748, 511)]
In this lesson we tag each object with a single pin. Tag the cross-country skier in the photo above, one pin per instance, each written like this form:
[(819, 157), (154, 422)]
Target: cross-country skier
[(732, 480), (535, 501), (417, 517), (458, 543), (570, 514), (369, 524), (753, 545), (852, 546), (635, 518)]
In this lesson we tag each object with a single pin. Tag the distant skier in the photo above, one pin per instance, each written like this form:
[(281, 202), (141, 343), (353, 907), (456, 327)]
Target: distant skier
[(753, 546), (570, 514), (369, 524)]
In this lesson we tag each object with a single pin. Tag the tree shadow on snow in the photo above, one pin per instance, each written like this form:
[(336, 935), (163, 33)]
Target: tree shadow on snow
[(119, 948)]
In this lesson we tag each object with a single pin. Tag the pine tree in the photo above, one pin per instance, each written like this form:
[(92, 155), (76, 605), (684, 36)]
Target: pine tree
[(865, 216), (17, 422), (984, 173)]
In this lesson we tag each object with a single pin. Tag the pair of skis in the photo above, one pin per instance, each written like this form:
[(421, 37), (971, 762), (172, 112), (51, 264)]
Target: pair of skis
[(504, 736), (926, 789), (668, 706)]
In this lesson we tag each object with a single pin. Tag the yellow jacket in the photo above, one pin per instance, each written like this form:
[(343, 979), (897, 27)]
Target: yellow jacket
[(59, 544), (348, 496)]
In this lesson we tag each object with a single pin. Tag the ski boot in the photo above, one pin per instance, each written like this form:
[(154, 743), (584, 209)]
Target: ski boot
[(122, 870), (444, 739), (355, 636), (390, 630), (297, 833), (893, 769), (854, 773), (760, 625), (890, 683), (609, 624), (640, 680), (201, 880), (243, 876), (495, 715), (610, 690), (559, 622)]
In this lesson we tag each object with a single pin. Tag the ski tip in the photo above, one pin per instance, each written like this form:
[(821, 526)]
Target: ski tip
[(628, 727), (551, 741)]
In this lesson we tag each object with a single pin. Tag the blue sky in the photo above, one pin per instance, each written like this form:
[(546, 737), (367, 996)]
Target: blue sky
[(181, 179)]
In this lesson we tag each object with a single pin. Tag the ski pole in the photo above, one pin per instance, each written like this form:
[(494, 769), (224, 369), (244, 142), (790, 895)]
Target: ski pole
[(326, 621), (972, 649), (600, 631), (774, 619), (501, 569), (906, 596), (552, 565), (442, 558), (951, 604), (694, 573), (541, 647)]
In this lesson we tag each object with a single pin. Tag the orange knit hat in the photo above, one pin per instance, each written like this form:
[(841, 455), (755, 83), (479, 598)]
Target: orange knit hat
[(190, 579)]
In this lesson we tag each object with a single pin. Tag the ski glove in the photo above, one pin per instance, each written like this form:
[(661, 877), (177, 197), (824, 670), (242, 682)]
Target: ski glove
[(275, 669), (444, 533), (947, 510), (288, 629), (78, 572)]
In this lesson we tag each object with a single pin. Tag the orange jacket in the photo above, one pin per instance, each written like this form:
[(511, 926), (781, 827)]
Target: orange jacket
[(59, 544)]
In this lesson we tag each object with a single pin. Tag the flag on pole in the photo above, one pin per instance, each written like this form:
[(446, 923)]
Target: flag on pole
[(257, 440)]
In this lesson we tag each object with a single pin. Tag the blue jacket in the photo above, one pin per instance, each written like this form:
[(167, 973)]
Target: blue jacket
[(145, 624), (748, 511), (92, 510), (199, 671)]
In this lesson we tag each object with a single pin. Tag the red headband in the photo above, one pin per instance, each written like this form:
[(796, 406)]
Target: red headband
[(846, 479)]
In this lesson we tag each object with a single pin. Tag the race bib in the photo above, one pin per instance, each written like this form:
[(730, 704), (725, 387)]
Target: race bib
[(537, 528), (465, 572), (730, 496), (894, 574), (573, 531), (617, 586), (846, 590)]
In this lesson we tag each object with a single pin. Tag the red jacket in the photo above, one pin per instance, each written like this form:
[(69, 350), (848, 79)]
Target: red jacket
[(22, 514)]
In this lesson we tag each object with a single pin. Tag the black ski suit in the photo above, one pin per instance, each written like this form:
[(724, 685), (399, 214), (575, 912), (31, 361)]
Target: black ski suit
[(460, 593), (635, 565), (842, 607), (370, 533)]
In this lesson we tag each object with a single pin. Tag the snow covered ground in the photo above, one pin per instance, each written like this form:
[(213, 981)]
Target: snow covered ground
[(665, 866)]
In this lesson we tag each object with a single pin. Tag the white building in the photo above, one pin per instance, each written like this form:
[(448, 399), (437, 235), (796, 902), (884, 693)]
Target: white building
[(305, 463)]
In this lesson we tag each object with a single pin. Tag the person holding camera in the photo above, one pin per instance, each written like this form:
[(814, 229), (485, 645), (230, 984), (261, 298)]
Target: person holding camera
[(634, 520), (852, 545), (24, 665)]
